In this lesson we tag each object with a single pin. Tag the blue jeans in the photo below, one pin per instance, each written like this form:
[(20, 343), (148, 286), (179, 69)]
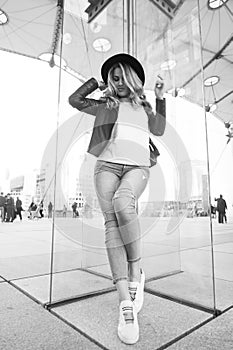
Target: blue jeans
[(118, 188)]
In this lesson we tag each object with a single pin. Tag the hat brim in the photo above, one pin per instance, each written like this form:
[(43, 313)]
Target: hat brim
[(122, 58)]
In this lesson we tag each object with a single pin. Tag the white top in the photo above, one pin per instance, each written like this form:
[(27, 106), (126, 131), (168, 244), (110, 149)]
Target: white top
[(129, 142)]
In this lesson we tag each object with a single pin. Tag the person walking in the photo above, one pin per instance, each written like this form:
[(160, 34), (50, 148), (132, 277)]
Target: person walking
[(64, 211), (74, 209), (41, 208), (2, 204), (5, 209), (221, 209), (50, 209), (19, 208), (10, 208), (120, 140)]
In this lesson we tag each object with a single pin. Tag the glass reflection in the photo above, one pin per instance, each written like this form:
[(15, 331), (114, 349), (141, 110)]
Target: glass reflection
[(79, 248), (173, 50)]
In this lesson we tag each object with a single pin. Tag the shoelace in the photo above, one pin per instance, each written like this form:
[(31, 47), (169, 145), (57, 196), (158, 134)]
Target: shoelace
[(128, 314), (132, 292)]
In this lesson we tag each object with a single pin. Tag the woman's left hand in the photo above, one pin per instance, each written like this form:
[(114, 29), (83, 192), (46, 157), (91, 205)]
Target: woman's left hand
[(102, 85), (159, 87)]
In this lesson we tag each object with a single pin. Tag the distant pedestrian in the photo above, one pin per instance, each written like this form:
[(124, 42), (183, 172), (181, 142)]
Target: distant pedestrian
[(41, 208), (32, 210), (87, 211), (4, 214), (50, 209), (10, 208), (2, 204), (221, 209), (64, 211), (213, 211), (75, 211), (19, 208)]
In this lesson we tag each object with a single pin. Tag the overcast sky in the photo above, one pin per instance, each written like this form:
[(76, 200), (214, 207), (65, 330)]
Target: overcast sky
[(28, 109)]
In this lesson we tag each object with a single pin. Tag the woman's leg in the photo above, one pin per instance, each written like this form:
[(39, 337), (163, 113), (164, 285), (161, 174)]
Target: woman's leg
[(117, 200), (125, 199), (106, 184)]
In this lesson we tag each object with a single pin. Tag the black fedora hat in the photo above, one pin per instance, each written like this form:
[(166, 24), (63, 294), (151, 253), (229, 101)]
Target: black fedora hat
[(122, 58)]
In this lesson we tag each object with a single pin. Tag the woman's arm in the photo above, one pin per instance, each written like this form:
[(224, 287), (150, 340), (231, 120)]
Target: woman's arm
[(157, 122), (78, 98)]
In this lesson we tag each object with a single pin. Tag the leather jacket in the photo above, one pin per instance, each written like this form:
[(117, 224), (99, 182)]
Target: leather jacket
[(106, 117)]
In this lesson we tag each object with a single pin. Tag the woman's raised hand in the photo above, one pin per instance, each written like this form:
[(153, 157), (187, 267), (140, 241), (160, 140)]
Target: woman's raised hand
[(102, 85), (159, 87)]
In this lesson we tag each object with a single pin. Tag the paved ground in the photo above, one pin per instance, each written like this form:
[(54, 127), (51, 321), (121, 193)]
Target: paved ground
[(178, 302)]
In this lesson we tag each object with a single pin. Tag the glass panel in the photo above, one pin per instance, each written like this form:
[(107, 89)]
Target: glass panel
[(178, 244), (29, 110), (161, 241), (218, 99), (79, 258), (221, 172)]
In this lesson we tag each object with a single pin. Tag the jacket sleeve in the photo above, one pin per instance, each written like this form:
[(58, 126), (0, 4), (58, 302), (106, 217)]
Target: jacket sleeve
[(157, 122), (78, 98)]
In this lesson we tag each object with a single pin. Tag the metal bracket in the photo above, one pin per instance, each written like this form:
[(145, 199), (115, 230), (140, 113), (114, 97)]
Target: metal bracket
[(95, 7), (166, 6)]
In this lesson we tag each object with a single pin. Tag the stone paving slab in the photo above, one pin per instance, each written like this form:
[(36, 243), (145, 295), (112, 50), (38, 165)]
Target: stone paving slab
[(160, 320), (195, 288), (215, 335), (199, 261), (222, 248), (24, 266), (25, 325), (27, 266), (64, 285), (104, 269), (153, 266)]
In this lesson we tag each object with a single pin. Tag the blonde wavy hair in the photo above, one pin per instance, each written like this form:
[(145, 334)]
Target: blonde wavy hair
[(131, 80)]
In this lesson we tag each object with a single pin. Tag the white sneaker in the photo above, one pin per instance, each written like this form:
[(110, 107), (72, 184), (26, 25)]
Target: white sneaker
[(136, 291), (128, 329)]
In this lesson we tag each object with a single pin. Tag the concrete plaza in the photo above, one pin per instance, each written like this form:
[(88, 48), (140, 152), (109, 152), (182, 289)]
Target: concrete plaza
[(75, 306)]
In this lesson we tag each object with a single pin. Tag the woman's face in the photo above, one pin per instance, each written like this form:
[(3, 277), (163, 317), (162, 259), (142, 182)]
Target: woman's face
[(122, 89)]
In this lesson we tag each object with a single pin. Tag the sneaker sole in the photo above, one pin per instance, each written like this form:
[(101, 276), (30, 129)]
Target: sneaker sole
[(128, 341)]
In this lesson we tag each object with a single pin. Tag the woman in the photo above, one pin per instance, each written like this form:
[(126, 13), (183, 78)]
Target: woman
[(120, 140), (41, 209), (19, 208)]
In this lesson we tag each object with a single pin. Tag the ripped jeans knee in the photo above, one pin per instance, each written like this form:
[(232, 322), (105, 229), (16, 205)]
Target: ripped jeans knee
[(125, 205)]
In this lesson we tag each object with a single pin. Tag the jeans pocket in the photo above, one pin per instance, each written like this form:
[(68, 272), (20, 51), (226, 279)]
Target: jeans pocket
[(98, 167), (146, 171)]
